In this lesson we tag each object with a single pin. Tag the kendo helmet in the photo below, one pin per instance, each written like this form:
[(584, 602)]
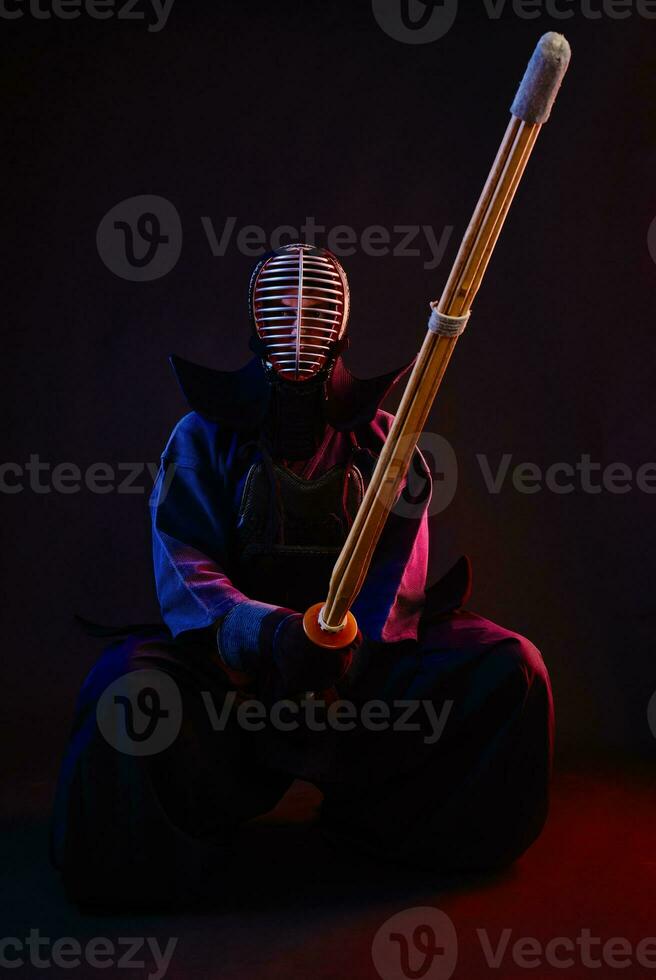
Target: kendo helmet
[(299, 305)]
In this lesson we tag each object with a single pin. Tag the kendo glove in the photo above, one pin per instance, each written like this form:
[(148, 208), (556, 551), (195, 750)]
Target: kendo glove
[(268, 643)]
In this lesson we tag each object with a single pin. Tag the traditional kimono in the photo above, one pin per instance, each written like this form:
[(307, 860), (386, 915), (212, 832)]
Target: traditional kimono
[(455, 778)]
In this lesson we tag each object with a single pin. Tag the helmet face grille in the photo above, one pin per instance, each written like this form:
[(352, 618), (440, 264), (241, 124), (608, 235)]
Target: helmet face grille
[(300, 304)]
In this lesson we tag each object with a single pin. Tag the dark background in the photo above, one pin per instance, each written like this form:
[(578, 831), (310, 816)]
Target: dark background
[(271, 112)]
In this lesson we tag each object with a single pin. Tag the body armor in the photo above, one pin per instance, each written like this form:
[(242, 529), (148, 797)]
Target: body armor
[(291, 530)]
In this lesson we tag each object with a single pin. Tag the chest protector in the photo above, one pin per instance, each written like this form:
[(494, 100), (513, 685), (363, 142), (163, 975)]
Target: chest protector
[(290, 530)]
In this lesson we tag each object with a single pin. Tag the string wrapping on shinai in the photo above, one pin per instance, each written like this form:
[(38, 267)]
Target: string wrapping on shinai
[(447, 326)]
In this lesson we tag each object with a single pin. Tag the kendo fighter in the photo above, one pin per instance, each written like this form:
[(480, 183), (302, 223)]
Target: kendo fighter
[(258, 487)]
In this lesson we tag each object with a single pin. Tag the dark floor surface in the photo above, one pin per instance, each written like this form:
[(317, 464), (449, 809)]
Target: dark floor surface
[(296, 908)]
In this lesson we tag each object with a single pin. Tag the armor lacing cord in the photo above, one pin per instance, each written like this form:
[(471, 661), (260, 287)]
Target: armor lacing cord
[(447, 326)]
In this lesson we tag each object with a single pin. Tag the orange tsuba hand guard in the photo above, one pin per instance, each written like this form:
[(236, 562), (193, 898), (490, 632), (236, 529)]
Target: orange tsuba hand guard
[(325, 638)]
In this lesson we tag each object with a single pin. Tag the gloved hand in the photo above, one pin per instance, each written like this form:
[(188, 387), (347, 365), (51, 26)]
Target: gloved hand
[(300, 663), (268, 644)]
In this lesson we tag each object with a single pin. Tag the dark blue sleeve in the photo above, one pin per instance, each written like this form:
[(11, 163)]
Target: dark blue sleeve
[(190, 516)]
